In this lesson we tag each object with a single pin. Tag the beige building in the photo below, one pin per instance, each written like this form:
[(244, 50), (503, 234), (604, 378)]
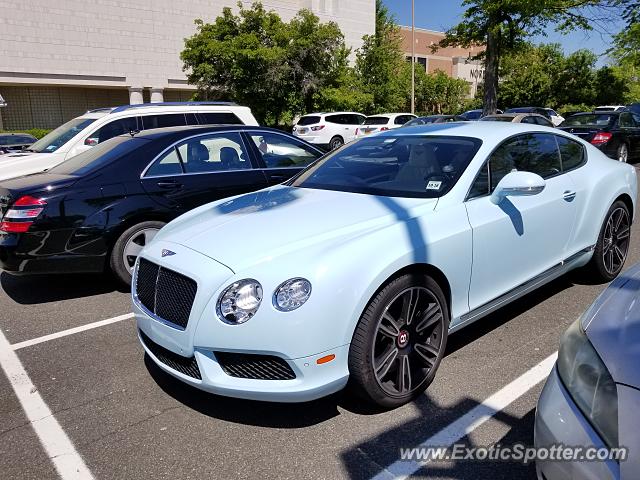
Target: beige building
[(454, 61), (60, 58)]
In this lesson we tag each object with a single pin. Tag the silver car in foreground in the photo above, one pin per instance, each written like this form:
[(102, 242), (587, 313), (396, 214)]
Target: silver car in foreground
[(592, 397)]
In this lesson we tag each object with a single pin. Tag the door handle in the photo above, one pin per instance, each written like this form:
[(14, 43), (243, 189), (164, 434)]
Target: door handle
[(169, 185), (568, 195)]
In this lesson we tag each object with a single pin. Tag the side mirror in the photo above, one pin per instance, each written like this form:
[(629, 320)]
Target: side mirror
[(518, 184), (91, 142)]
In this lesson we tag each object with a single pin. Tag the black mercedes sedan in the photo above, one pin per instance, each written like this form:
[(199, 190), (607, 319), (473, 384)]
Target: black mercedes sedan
[(617, 134), (96, 211)]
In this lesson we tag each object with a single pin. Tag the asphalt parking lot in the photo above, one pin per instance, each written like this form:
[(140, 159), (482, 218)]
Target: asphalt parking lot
[(127, 419)]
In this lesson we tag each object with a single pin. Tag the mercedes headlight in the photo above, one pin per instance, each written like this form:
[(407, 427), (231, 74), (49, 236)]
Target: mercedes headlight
[(240, 301), (589, 383), (292, 294)]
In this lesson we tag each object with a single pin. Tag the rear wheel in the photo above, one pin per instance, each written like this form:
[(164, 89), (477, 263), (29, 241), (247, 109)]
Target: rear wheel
[(612, 247), (399, 341), (128, 247), (336, 142), (623, 153)]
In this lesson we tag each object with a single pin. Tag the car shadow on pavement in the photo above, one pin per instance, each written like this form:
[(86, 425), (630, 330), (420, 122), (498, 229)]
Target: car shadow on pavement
[(36, 289)]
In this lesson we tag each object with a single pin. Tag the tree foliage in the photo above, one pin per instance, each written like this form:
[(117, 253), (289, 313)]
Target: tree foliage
[(503, 25), (260, 61), (542, 75)]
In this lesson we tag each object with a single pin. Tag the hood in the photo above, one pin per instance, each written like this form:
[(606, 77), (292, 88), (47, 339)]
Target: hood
[(612, 325), (17, 164), (260, 226)]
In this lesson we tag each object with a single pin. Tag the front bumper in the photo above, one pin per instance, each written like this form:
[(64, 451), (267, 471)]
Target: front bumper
[(558, 420), (269, 333)]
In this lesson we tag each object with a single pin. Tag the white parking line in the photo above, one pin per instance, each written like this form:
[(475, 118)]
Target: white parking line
[(474, 418), (71, 331), (58, 446)]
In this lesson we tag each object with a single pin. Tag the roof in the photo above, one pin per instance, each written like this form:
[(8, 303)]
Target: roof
[(123, 108), (492, 132)]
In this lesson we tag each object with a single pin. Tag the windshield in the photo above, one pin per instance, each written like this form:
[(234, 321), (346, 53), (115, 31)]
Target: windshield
[(15, 139), (588, 119), (472, 114), (402, 166), (61, 135), (309, 120), (98, 156), (376, 121), (491, 118), (420, 121)]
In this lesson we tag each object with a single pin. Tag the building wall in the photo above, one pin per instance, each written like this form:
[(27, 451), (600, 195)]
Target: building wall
[(132, 46), (454, 61)]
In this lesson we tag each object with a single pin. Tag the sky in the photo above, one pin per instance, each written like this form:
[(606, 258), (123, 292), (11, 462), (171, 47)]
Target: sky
[(442, 14)]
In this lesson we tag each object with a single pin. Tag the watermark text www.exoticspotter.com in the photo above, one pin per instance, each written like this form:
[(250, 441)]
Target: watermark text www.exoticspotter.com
[(518, 452)]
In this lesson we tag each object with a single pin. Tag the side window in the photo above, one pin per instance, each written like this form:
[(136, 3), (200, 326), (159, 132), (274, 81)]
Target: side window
[(636, 119), (480, 187), (530, 120), (355, 119), (543, 121), (537, 153), (360, 119), (401, 120), (626, 120), (571, 152), (214, 153), (167, 165), (160, 121), (335, 119), (112, 129), (219, 118), (279, 151)]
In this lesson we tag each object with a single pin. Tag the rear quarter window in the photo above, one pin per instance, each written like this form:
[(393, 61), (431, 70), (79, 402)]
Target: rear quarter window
[(571, 152)]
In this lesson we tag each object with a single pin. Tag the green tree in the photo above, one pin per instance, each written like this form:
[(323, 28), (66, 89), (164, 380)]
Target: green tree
[(380, 63), (256, 59), (610, 85), (502, 25)]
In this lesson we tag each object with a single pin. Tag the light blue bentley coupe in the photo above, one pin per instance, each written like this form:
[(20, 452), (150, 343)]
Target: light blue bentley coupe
[(355, 272)]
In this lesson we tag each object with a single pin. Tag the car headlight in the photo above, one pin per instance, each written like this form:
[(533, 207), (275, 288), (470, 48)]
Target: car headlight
[(240, 301), (589, 383), (292, 294)]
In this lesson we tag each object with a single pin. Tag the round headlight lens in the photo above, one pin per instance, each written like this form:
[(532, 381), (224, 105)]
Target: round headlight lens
[(292, 294), (240, 301)]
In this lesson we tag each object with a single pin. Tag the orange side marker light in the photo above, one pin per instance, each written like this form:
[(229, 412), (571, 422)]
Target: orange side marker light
[(325, 359)]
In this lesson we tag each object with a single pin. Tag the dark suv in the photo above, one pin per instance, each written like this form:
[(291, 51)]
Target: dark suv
[(98, 210)]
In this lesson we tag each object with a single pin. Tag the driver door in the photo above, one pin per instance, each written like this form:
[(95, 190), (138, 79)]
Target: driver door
[(523, 236)]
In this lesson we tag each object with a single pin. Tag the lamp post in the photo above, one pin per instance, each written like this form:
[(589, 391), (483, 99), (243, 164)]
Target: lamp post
[(413, 57)]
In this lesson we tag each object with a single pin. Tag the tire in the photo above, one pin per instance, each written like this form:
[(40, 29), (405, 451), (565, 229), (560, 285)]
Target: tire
[(336, 142), (132, 240), (622, 154), (377, 375), (612, 246)]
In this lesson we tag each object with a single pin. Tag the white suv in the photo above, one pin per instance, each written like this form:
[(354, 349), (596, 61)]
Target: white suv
[(328, 130), (382, 122), (98, 125)]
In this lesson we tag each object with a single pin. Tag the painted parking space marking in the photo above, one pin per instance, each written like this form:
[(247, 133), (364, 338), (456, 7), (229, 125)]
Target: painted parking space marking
[(54, 440), (475, 417), (71, 331)]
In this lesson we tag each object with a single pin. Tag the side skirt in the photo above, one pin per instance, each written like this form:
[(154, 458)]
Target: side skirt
[(574, 261)]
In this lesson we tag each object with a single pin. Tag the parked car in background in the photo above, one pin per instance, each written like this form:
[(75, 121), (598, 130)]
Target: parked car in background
[(609, 108), (15, 142), (538, 110), (555, 117), (329, 130), (318, 298), (617, 134), (434, 119), (383, 122), (592, 396), (97, 210), (97, 126), (473, 115), (532, 118)]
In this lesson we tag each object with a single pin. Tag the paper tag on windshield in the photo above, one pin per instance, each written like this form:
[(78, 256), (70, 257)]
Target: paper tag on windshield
[(433, 185)]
